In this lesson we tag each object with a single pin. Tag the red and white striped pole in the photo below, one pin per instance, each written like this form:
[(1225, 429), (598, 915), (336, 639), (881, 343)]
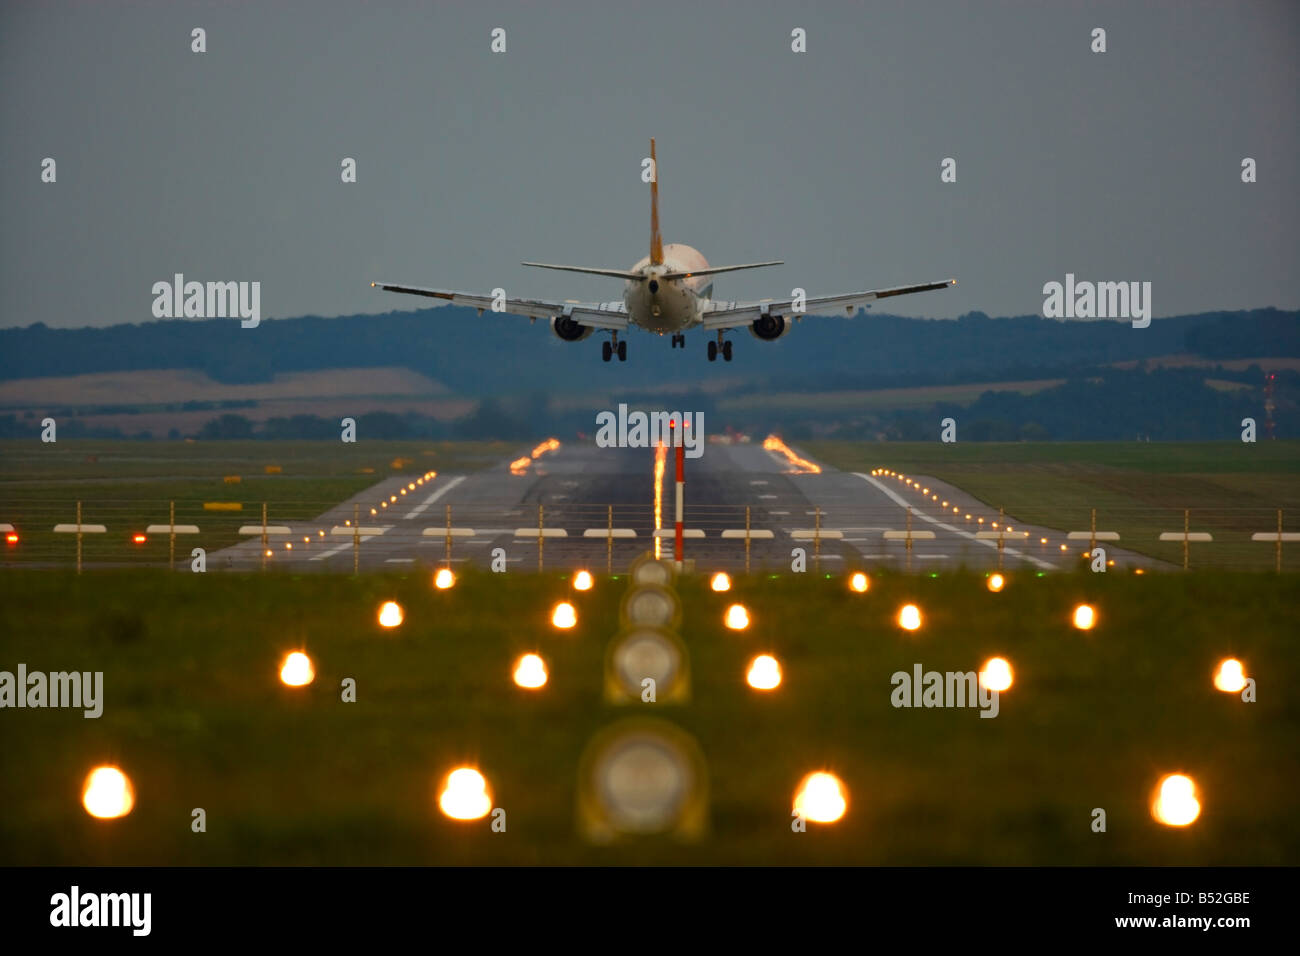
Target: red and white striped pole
[(681, 485)]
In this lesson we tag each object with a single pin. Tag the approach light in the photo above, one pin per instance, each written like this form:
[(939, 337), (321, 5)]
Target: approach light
[(859, 582), (564, 616), (821, 798), (444, 579), (107, 793), (582, 581), (530, 672), (764, 673), (11, 537), (1230, 678), (1174, 803), (737, 617), (297, 670), (139, 538), (1084, 617), (909, 617), (390, 614), (996, 674), (996, 582), (465, 795), (720, 582)]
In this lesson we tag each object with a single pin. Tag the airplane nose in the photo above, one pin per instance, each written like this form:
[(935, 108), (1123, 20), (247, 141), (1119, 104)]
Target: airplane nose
[(654, 286)]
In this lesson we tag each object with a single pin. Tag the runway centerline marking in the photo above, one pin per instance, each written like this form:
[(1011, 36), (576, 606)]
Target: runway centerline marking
[(419, 509), (904, 503)]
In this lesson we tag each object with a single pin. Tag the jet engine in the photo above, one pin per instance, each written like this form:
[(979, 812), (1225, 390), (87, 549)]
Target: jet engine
[(769, 327), (569, 330)]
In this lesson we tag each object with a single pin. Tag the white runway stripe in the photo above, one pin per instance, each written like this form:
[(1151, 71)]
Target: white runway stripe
[(419, 509)]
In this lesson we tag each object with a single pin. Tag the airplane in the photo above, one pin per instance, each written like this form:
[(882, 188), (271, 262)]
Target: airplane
[(668, 291)]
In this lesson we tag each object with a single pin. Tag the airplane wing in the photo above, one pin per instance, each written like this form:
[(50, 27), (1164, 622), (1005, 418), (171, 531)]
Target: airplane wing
[(596, 315), (730, 315)]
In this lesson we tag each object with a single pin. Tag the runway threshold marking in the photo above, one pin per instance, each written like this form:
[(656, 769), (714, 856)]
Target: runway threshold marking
[(419, 509), (904, 503)]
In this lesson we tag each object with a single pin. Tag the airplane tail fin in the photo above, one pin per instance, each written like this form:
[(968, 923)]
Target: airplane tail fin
[(656, 241)]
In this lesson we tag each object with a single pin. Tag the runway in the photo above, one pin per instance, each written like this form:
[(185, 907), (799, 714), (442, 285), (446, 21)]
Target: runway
[(577, 493)]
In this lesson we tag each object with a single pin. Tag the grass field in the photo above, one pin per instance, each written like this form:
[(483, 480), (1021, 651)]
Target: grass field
[(1138, 488), (194, 713), (126, 486)]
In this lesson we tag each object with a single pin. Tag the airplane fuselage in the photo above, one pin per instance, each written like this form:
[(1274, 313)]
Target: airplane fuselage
[(668, 305)]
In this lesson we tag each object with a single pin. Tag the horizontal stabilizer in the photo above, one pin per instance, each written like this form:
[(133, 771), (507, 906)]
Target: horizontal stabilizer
[(714, 270), (612, 273)]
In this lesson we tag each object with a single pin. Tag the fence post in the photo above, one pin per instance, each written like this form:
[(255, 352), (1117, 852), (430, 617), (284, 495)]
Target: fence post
[(1002, 532), (1279, 540), (609, 541), (747, 539), (909, 538), (448, 536), (356, 538), (171, 542), (539, 537), (1186, 521), (1092, 534), (78, 537), (817, 538), (263, 535)]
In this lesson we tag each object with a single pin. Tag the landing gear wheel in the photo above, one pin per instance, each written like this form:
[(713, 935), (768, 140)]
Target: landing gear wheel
[(713, 351), (622, 351), (606, 350), (726, 351)]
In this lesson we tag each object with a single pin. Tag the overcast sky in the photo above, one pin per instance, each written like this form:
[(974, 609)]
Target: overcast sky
[(225, 165)]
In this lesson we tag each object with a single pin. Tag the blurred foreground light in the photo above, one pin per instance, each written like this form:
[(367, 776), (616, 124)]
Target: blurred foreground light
[(736, 618), (465, 795), (1064, 548), (444, 579), (720, 582), (1138, 571), (909, 617), (108, 793), (297, 670), (1231, 677), (390, 614), (996, 582), (138, 538), (764, 673), (530, 672), (1175, 803), (582, 581), (1084, 617), (564, 616), (859, 582), (996, 674), (821, 798), (11, 538)]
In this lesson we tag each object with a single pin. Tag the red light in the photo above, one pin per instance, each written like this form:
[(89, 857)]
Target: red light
[(11, 538), (138, 539)]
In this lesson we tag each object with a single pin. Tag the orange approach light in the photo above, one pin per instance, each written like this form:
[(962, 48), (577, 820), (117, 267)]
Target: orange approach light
[(859, 582), (582, 581), (821, 798), (297, 670), (444, 579), (996, 674), (720, 582), (764, 673), (996, 583), (530, 672), (107, 793), (1084, 617), (465, 795), (11, 538), (909, 617), (1230, 677), (564, 616), (737, 617), (1175, 802), (139, 538), (390, 614)]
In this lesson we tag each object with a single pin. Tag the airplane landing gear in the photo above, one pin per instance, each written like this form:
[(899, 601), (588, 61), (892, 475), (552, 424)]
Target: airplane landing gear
[(613, 347), (720, 346), (679, 340)]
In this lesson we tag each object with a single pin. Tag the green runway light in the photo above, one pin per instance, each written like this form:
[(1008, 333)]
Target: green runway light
[(934, 574), (1040, 574)]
